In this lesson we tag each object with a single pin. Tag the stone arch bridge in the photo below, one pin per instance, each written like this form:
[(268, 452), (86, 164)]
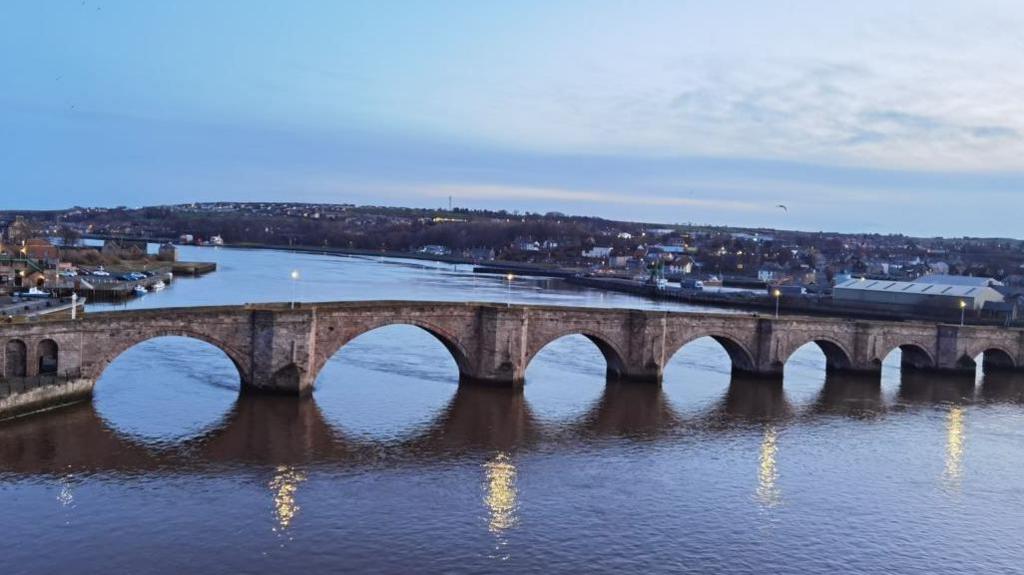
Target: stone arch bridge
[(280, 349)]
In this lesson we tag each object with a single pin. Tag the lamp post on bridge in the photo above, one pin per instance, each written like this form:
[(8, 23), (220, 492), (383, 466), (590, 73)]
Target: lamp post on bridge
[(295, 283), (963, 311), (777, 294)]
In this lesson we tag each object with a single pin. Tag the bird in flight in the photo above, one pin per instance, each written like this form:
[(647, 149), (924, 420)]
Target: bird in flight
[(783, 207)]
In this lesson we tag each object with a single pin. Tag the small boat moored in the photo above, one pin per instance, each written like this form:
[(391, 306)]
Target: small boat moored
[(34, 293), (139, 290)]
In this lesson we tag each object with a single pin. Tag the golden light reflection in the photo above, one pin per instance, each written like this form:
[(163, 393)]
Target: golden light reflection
[(284, 485), (954, 445), (502, 497), (767, 474)]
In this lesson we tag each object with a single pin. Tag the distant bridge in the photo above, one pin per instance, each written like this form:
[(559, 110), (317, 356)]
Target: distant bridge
[(279, 349)]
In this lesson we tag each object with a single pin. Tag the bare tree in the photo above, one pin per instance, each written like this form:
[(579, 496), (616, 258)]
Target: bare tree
[(69, 236)]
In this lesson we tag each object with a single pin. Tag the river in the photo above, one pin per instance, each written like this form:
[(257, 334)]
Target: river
[(393, 468)]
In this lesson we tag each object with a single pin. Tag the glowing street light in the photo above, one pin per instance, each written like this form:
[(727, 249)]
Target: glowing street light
[(777, 294), (295, 283), (963, 311)]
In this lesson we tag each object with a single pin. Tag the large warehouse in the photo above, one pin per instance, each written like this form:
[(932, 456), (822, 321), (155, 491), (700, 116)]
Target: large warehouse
[(918, 294)]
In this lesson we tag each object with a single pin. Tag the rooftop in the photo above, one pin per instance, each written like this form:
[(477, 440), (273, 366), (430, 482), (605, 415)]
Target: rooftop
[(945, 279), (916, 287)]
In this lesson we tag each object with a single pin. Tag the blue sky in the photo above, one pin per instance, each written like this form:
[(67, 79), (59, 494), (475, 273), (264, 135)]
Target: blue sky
[(879, 117)]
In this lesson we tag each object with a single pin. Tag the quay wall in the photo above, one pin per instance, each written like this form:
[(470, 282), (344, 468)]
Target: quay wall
[(29, 395)]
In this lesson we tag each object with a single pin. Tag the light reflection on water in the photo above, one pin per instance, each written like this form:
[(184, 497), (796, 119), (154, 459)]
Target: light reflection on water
[(954, 446), (393, 467), (767, 473), (285, 483), (501, 493)]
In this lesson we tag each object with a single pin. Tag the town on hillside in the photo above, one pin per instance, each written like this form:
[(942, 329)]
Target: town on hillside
[(891, 275)]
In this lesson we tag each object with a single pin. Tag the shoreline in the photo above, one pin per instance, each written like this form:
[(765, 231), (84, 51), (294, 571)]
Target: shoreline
[(757, 304)]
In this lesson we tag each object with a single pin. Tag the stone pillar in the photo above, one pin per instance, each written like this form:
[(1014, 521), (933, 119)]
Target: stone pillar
[(766, 364), (947, 354), (862, 360), (499, 354), (644, 350), (31, 358), (282, 351)]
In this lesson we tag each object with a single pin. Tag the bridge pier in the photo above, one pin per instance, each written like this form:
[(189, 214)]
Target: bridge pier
[(651, 375), (768, 374)]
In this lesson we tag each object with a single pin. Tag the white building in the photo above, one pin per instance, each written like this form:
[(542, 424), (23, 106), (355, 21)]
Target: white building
[(914, 294), (598, 252)]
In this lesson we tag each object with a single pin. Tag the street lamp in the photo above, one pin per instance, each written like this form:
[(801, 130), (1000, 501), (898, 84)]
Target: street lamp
[(508, 293), (295, 283), (777, 294), (963, 311)]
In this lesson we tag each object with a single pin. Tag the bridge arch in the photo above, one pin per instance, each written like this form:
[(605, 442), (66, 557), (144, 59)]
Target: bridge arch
[(15, 358), (739, 355), (107, 356), (914, 355), (998, 358), (615, 363), (331, 344), (837, 357), (47, 357), (993, 358)]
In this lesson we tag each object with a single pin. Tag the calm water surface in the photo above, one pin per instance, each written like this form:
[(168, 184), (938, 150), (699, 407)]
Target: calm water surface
[(393, 468)]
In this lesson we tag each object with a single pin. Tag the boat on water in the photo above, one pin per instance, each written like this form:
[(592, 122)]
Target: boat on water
[(139, 290), (34, 292), (159, 285)]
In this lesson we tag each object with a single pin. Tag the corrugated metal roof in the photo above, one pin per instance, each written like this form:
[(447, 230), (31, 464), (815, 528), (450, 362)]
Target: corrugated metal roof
[(951, 280), (911, 287)]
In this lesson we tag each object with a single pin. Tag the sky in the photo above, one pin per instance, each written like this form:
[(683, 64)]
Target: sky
[(874, 116)]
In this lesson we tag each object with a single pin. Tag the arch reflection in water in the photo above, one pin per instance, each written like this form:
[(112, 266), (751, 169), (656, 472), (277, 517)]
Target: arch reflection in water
[(478, 418), (752, 399), (1002, 387), (637, 410), (851, 394), (502, 498), (925, 387)]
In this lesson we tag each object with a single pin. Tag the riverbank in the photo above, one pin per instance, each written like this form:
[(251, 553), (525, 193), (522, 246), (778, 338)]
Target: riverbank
[(749, 300), (814, 305)]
